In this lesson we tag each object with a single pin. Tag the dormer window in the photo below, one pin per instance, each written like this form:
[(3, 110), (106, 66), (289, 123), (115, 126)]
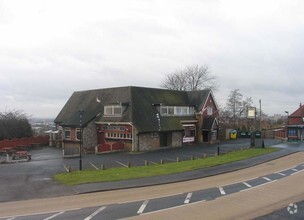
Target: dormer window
[(113, 110), (176, 110)]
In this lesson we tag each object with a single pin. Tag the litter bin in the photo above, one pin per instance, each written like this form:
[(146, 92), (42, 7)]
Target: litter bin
[(233, 134), (258, 134)]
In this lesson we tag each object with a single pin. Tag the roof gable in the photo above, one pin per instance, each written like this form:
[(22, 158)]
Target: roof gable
[(299, 113)]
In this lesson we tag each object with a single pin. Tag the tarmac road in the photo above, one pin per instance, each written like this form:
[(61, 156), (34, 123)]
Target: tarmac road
[(243, 194)]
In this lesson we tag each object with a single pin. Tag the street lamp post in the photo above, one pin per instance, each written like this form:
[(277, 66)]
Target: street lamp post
[(80, 139)]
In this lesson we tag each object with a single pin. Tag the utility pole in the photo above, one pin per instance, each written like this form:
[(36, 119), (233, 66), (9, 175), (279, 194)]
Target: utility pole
[(81, 138), (260, 116)]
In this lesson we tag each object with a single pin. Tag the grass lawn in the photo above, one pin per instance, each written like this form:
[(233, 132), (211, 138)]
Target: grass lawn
[(116, 174)]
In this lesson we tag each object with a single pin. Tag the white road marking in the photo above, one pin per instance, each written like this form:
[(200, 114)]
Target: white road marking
[(95, 213), (222, 191), (66, 169), (187, 200), (282, 174), (175, 207), (295, 170), (258, 186), (94, 166), (142, 207), (54, 216), (167, 158), (265, 178), (121, 164), (11, 218), (247, 184)]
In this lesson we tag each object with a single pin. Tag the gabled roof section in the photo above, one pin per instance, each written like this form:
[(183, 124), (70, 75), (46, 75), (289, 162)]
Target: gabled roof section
[(199, 98), (299, 113), (145, 100), (92, 102), (209, 123)]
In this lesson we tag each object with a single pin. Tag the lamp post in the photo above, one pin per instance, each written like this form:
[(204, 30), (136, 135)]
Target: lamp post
[(80, 139), (287, 114), (286, 133)]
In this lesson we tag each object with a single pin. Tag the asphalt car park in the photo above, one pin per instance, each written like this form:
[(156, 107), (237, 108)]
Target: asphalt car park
[(33, 179)]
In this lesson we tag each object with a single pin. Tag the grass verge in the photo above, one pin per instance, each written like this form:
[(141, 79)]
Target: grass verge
[(116, 174)]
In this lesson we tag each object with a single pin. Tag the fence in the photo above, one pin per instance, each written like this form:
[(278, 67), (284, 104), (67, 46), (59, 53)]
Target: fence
[(24, 142)]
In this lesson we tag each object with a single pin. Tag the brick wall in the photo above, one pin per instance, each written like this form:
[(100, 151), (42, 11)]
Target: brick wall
[(26, 141)]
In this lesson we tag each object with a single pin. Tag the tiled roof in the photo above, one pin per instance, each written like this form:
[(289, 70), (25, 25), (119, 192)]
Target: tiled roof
[(140, 106), (298, 113)]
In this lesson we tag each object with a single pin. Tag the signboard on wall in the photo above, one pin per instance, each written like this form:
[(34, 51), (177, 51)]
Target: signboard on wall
[(188, 139)]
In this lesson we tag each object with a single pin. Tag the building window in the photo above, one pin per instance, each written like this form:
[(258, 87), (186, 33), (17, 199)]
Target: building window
[(154, 135), (78, 134), (292, 132), (189, 133), (67, 133), (122, 136), (176, 110), (209, 110), (113, 110)]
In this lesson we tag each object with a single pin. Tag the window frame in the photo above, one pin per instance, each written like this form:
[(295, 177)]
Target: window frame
[(111, 110), (177, 110), (68, 137), (78, 132)]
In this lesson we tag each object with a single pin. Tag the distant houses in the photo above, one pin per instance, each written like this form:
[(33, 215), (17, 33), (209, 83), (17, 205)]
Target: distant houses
[(136, 119), (295, 126)]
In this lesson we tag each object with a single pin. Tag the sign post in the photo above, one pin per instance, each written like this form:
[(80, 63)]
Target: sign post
[(251, 114)]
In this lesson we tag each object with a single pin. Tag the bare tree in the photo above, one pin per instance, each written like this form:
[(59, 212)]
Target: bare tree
[(14, 124), (236, 108), (191, 78)]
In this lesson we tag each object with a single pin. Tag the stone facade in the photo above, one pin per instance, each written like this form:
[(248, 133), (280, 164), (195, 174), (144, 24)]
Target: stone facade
[(90, 135), (177, 139), (148, 141)]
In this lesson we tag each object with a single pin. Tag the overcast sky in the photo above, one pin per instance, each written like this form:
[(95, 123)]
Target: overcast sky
[(51, 48)]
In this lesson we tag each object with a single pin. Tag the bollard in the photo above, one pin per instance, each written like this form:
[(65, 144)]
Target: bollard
[(129, 164), (205, 155), (102, 167), (218, 150), (192, 157), (69, 169), (177, 159), (161, 161), (146, 163)]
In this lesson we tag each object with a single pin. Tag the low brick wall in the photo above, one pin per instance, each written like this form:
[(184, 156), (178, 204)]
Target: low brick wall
[(25, 142)]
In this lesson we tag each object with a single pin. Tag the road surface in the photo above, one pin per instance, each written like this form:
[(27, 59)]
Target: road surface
[(243, 194)]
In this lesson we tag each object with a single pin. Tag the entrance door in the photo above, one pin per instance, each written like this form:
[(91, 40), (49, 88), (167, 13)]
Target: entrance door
[(165, 139), (205, 136)]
